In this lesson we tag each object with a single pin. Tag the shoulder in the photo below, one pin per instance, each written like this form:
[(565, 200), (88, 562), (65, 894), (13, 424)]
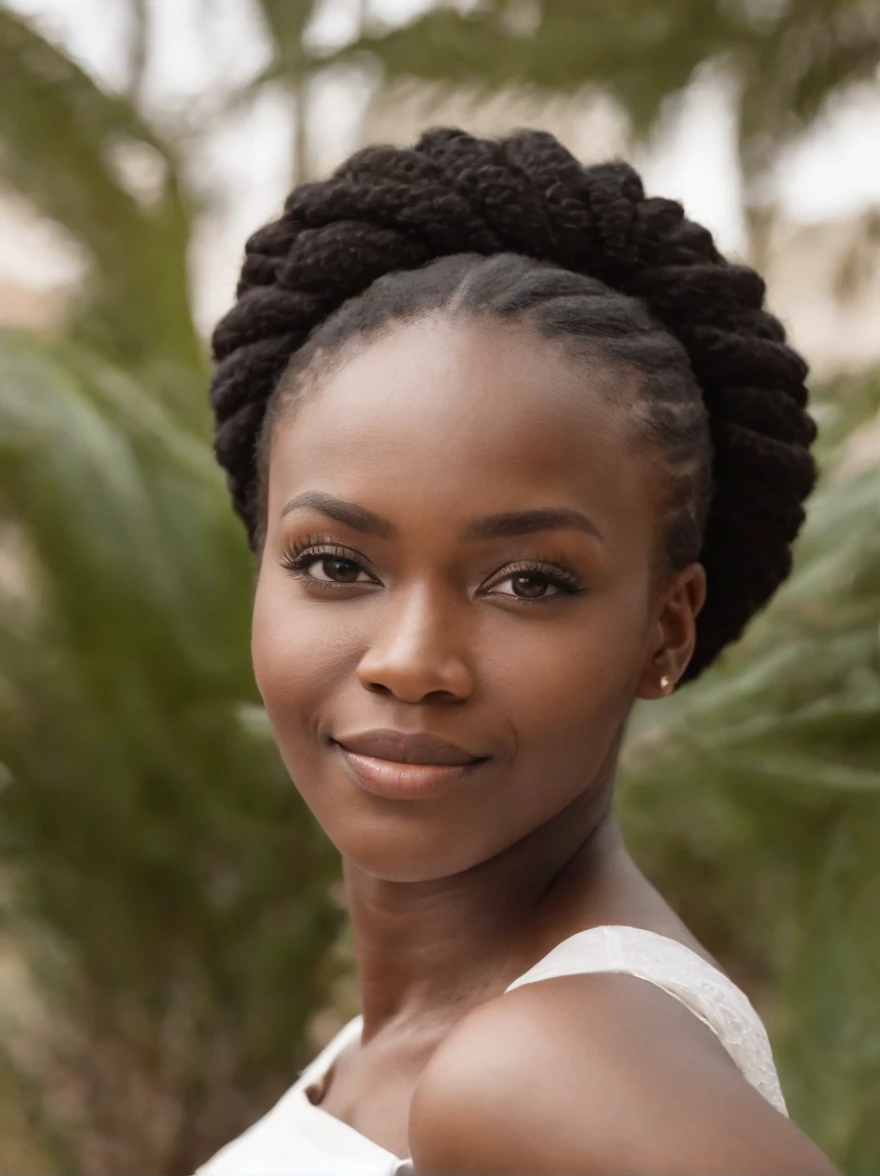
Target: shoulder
[(595, 1073)]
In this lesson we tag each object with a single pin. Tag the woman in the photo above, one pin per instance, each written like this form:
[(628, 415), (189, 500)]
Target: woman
[(515, 447)]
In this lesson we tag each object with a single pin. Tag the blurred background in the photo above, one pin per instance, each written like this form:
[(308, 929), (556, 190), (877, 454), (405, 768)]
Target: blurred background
[(173, 944)]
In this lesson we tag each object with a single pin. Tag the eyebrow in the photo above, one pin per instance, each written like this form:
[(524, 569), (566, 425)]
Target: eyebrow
[(495, 526)]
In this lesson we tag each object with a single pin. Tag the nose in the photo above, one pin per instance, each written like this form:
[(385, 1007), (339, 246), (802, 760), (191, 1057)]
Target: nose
[(418, 651)]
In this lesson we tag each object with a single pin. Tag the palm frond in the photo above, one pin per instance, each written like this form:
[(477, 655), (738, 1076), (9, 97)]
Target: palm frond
[(60, 137), (644, 53)]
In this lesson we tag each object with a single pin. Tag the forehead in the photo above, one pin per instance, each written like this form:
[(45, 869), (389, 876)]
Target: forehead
[(461, 418)]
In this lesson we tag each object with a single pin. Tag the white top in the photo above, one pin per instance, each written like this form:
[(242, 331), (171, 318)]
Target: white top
[(297, 1138)]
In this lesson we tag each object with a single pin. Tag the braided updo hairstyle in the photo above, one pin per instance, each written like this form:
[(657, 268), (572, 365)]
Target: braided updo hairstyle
[(517, 230)]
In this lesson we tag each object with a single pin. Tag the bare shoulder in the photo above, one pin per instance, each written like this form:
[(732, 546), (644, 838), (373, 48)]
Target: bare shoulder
[(595, 1073)]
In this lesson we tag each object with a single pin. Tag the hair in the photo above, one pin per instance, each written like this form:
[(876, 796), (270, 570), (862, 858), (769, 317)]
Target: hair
[(517, 231)]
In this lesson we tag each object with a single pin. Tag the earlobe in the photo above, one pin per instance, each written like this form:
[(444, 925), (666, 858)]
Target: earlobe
[(660, 668), (655, 686)]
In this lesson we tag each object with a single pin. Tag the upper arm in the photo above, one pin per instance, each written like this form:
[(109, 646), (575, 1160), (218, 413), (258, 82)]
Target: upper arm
[(597, 1073)]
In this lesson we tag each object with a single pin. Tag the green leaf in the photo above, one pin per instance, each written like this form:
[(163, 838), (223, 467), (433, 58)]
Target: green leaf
[(60, 136)]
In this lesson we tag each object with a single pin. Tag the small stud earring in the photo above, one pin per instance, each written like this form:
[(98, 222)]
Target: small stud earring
[(665, 683)]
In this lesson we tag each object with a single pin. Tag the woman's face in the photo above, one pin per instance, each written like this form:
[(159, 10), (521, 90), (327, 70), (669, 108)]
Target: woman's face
[(399, 618)]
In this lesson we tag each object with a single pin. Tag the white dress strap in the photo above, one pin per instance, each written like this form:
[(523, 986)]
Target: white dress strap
[(685, 975)]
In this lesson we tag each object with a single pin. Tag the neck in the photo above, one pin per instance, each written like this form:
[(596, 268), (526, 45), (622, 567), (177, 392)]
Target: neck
[(428, 951)]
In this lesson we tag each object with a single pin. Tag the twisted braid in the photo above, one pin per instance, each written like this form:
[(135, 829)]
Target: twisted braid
[(723, 394)]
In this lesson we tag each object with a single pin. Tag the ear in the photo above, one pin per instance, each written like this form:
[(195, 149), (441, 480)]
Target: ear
[(672, 634)]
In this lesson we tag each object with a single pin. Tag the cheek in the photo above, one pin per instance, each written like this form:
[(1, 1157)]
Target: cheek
[(565, 696), (298, 655), (564, 681)]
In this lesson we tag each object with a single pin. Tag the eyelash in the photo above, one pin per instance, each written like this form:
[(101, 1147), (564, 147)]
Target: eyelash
[(299, 557)]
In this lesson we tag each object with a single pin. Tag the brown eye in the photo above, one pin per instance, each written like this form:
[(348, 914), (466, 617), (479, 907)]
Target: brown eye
[(530, 587), (336, 571), (334, 567), (540, 582)]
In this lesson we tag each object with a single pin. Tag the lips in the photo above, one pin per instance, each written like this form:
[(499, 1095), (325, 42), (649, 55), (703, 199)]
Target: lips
[(399, 747), (404, 767)]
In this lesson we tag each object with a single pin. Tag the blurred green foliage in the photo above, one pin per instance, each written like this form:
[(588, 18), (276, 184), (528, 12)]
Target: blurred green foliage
[(168, 892), (169, 908)]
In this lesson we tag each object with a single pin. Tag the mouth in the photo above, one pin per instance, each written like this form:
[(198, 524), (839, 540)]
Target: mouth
[(405, 781)]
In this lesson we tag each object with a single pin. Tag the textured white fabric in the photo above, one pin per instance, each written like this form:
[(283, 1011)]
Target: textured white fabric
[(298, 1139), (682, 973)]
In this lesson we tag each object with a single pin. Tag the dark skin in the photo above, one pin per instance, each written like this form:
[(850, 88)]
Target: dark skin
[(409, 625)]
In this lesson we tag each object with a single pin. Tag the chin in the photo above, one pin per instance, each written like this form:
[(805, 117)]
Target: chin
[(404, 854), (398, 862)]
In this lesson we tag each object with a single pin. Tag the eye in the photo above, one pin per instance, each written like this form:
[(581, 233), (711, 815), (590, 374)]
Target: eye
[(539, 582), (333, 564)]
